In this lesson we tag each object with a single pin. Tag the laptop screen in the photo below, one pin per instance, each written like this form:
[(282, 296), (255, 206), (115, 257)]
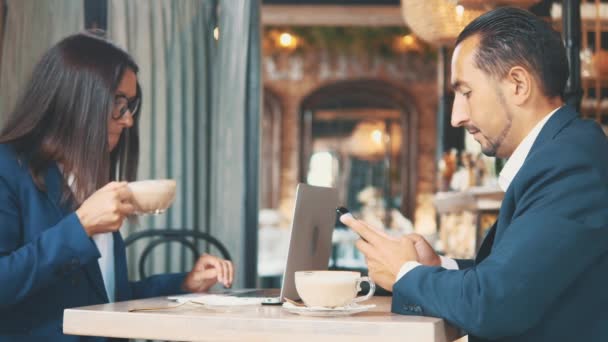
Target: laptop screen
[(313, 224), (310, 241)]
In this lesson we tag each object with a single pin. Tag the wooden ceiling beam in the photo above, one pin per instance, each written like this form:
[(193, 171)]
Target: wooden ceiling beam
[(331, 15)]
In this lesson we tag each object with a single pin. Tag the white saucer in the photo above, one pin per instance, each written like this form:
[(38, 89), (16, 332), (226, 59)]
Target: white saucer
[(327, 312)]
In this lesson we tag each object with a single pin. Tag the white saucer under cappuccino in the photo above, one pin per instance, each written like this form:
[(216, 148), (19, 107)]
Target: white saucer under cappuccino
[(331, 288)]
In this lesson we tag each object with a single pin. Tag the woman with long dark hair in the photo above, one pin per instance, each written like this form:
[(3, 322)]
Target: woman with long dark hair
[(66, 152)]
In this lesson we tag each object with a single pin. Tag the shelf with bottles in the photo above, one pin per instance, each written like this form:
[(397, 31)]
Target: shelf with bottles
[(594, 103), (594, 15), (594, 57), (589, 25), (589, 81), (594, 61), (593, 106), (594, 40), (596, 110)]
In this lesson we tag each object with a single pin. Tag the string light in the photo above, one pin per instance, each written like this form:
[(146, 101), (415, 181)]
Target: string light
[(408, 40), (377, 136), (286, 40), (459, 10)]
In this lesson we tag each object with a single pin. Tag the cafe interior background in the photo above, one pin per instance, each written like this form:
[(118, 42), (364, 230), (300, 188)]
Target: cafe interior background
[(245, 99)]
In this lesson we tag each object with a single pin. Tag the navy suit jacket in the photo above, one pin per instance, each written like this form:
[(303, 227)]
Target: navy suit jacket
[(48, 263), (541, 273)]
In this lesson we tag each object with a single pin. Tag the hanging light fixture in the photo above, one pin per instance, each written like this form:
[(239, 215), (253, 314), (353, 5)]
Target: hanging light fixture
[(489, 4), (437, 21), (369, 140), (407, 43)]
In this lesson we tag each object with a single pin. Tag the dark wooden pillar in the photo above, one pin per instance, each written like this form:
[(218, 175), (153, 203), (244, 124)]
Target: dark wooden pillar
[(2, 23), (571, 23), (448, 137), (96, 14), (252, 145), (442, 75)]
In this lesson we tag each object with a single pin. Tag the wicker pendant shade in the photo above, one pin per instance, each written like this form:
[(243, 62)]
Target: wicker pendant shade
[(437, 21), (489, 4)]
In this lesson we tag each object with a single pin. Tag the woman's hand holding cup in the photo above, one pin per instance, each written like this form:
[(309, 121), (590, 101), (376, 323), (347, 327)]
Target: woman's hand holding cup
[(105, 210)]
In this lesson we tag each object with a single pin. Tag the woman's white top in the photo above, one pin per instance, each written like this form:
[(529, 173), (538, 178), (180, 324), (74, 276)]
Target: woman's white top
[(105, 245)]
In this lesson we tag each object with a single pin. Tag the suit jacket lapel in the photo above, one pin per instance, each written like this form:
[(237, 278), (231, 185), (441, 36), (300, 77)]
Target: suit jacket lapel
[(54, 183), (120, 269), (486, 245), (94, 274), (559, 120)]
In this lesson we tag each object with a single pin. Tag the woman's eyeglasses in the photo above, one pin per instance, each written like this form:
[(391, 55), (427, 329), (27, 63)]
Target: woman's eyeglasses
[(122, 104)]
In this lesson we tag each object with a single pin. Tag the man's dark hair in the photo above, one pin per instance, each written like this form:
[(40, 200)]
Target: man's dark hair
[(510, 37), (63, 112)]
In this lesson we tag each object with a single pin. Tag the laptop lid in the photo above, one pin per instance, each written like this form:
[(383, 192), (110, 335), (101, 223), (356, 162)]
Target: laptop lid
[(310, 240)]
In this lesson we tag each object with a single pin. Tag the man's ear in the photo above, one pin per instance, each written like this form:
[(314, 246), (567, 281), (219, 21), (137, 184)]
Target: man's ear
[(519, 84)]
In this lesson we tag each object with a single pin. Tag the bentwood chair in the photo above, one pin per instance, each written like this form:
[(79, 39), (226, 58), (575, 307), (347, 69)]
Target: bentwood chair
[(186, 237)]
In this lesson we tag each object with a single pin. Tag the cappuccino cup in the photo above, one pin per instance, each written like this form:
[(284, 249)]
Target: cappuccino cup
[(331, 288), (152, 196)]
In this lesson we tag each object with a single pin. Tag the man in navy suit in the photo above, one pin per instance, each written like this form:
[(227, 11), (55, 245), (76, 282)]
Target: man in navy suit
[(542, 270)]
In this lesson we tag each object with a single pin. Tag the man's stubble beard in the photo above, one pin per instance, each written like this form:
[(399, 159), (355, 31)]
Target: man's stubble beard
[(495, 144)]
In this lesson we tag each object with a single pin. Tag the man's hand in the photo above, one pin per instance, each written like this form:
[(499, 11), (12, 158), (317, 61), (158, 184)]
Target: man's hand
[(384, 254), (207, 271), (426, 253)]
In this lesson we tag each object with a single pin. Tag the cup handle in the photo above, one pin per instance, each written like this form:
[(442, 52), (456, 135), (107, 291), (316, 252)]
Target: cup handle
[(370, 293)]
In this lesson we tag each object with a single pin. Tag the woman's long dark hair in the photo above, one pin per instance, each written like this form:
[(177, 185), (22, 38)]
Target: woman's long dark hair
[(62, 116)]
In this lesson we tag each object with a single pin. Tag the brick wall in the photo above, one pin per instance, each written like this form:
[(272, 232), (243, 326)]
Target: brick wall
[(293, 78)]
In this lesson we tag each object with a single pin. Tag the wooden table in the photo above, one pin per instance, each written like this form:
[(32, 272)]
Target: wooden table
[(192, 322)]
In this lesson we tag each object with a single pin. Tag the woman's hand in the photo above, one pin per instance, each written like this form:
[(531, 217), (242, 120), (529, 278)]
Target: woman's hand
[(207, 271), (105, 210)]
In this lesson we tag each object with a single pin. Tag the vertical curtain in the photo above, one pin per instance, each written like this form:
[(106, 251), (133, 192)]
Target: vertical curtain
[(196, 116), (172, 41), (236, 130), (2, 11), (31, 28)]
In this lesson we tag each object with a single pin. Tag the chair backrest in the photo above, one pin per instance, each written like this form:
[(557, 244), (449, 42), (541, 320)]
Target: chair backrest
[(186, 237)]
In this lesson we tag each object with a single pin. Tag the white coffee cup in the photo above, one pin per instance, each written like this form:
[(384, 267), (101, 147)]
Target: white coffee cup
[(331, 288), (152, 196)]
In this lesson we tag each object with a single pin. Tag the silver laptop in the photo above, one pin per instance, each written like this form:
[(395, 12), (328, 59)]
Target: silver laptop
[(313, 224)]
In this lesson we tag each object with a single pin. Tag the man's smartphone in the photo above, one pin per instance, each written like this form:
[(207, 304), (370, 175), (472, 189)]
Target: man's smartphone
[(342, 211)]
